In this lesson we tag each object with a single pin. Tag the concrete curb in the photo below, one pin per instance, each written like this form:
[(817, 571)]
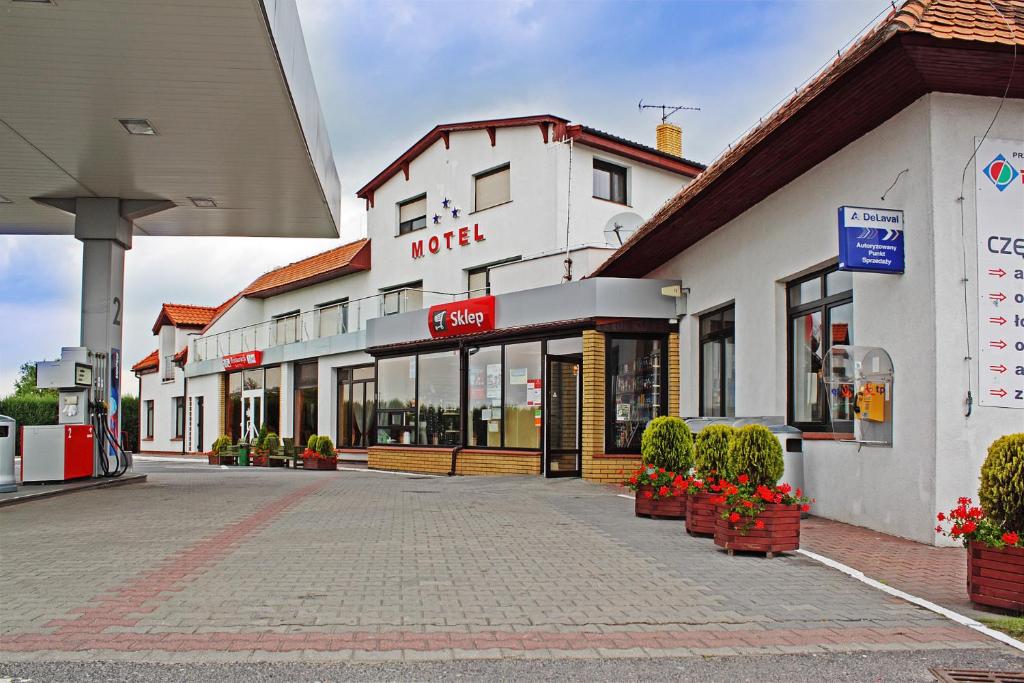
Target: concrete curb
[(27, 496)]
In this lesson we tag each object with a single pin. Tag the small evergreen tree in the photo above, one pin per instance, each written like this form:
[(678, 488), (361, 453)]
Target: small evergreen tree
[(756, 452), (667, 442), (712, 448), (311, 442), (1002, 482), (325, 447)]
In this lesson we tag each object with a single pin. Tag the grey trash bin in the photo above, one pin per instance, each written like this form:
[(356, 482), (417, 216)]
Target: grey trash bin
[(8, 429)]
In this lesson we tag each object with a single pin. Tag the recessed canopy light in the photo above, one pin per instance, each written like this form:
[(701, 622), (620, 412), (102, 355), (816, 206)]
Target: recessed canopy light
[(203, 202), (138, 126), (5, 200)]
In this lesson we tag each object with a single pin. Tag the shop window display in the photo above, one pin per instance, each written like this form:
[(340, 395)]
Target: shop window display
[(636, 389)]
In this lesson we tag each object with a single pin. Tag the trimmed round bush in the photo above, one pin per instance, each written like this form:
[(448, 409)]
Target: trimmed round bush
[(756, 452), (712, 450), (667, 442), (311, 442), (325, 447), (1002, 482)]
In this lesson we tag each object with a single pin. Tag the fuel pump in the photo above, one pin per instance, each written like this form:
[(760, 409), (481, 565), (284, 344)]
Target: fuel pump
[(81, 444)]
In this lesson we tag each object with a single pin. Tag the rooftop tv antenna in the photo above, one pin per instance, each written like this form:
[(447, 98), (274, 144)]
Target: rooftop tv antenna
[(667, 110)]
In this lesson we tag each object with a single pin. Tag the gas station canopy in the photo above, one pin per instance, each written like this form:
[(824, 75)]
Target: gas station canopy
[(208, 106)]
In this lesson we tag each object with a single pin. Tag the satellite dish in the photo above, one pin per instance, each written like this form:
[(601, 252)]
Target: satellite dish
[(620, 226)]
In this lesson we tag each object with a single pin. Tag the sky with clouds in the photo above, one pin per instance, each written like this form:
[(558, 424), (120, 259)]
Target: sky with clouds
[(388, 71)]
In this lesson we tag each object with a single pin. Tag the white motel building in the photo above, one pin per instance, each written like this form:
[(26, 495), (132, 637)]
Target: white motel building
[(853, 267)]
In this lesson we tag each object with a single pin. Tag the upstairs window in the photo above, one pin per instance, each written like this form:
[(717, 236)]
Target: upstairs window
[(493, 187), (402, 298), (479, 281), (412, 215), (609, 182), (333, 317)]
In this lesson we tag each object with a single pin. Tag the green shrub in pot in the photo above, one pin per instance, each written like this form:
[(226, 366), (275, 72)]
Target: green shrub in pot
[(712, 450), (757, 453), (667, 442), (1002, 483)]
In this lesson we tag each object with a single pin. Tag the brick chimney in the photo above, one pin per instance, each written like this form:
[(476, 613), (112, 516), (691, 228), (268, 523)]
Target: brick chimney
[(670, 139)]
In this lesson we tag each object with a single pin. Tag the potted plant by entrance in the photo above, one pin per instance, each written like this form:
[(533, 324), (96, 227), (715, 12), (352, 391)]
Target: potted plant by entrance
[(712, 464), (756, 513), (321, 456), (222, 442), (993, 532), (666, 449), (260, 453)]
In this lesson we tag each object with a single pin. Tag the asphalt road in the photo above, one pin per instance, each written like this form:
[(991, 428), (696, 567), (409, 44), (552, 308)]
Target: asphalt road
[(905, 667)]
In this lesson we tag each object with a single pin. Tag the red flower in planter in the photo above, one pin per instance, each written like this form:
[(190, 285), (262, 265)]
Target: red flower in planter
[(941, 517), (718, 500), (759, 524), (1010, 538), (633, 480), (648, 494), (970, 527), (663, 491), (734, 517), (743, 479), (805, 508), (748, 503)]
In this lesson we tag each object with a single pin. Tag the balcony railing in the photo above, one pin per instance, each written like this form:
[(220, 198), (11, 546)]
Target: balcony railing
[(326, 321)]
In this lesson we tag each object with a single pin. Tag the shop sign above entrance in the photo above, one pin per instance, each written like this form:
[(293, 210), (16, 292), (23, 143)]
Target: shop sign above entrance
[(461, 317), (240, 361), (870, 240)]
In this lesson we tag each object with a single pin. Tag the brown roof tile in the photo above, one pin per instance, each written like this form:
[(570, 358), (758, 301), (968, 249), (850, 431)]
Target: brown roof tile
[(148, 364), (348, 258)]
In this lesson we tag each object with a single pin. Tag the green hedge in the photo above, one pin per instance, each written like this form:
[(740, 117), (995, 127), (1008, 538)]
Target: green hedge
[(28, 410), (130, 423)]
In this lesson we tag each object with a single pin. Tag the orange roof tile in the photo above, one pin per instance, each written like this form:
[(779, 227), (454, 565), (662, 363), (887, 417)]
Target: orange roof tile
[(964, 19), (184, 315), (181, 357), (148, 364), (348, 258)]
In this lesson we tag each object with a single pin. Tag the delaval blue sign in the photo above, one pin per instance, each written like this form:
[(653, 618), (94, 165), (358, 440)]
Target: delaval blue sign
[(870, 240)]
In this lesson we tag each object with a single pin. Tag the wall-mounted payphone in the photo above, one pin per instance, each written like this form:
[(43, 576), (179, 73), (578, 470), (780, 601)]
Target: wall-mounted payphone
[(859, 380)]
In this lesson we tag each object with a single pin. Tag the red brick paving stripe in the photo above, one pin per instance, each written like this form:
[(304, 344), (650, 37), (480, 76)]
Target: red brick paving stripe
[(169, 576), (531, 640)]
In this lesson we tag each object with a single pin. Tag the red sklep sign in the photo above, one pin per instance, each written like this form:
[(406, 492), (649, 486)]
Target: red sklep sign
[(461, 317), (240, 361)]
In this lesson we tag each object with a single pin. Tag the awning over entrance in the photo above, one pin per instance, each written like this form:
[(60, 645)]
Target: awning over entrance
[(543, 307)]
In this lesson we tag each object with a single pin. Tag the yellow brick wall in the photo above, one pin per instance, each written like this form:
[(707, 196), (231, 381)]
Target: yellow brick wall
[(497, 462), (397, 459), (673, 374), (594, 382)]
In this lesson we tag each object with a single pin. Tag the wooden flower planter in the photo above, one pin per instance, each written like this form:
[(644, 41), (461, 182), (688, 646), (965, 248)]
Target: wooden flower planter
[(781, 531), (995, 576), (663, 508), (214, 458), (700, 514), (319, 463), (260, 459)]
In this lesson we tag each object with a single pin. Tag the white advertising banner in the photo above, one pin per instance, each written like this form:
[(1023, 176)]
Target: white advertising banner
[(1000, 205)]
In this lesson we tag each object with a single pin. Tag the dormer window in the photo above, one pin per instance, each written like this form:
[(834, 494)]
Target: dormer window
[(412, 214)]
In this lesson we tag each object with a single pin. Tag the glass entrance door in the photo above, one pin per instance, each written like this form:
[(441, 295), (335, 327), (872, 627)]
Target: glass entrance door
[(562, 452), (252, 414)]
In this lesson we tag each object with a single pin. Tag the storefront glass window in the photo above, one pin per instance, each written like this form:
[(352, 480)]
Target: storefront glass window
[(522, 397), (484, 374), (305, 403), (356, 406), (636, 390), (820, 315), (396, 395), (272, 399), (233, 406), (440, 418), (717, 361)]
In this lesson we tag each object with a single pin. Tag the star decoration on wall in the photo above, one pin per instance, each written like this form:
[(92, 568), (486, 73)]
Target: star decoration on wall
[(455, 213), (437, 219), (445, 203)]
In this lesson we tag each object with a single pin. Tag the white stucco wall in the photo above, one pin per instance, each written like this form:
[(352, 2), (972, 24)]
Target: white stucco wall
[(916, 316)]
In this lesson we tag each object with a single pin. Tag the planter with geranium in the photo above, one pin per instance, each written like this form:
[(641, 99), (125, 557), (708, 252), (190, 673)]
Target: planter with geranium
[(666, 449), (711, 446), (319, 454), (993, 532), (222, 443), (755, 512)]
